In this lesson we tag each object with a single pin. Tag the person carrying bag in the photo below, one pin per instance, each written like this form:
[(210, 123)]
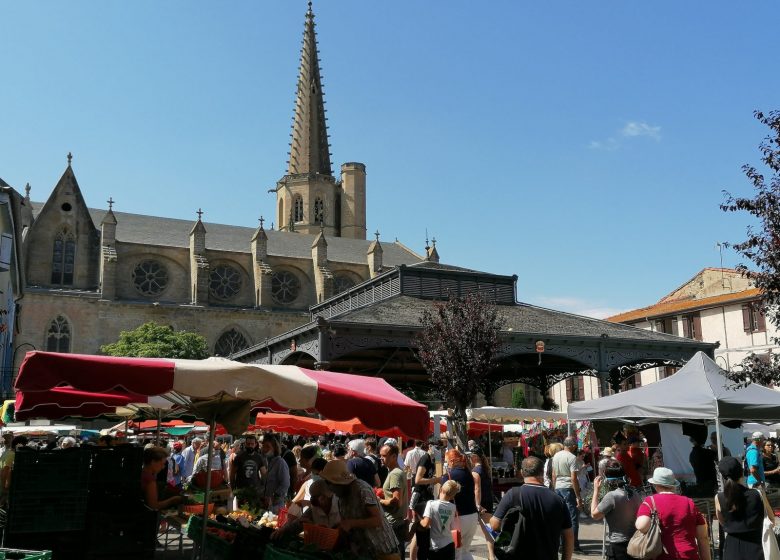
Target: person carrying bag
[(768, 538), (648, 545)]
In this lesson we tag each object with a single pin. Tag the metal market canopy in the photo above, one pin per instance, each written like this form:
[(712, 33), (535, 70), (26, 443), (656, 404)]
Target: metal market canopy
[(499, 415), (224, 390), (699, 390)]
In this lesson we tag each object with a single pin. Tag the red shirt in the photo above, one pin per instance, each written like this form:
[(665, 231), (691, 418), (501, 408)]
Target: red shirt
[(629, 467), (679, 519)]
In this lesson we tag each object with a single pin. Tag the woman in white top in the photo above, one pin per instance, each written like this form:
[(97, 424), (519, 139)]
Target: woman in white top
[(439, 517)]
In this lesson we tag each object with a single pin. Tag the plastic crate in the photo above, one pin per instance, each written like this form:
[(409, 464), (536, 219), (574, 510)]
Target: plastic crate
[(51, 472), (13, 554), (215, 546), (44, 514)]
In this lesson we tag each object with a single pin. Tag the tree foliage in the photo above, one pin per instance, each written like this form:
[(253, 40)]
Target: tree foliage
[(151, 340), (518, 398), (457, 346), (762, 246)]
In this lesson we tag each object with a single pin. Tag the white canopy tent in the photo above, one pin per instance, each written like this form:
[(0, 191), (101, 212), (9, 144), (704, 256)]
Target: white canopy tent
[(700, 390), (499, 415)]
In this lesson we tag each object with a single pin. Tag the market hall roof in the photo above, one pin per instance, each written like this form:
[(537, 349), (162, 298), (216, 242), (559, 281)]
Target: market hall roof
[(350, 329), (171, 232)]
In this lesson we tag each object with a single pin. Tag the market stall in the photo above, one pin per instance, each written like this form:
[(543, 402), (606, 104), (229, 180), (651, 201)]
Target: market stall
[(218, 390)]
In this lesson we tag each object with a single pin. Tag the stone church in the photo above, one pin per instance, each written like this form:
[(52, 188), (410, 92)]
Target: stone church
[(93, 272)]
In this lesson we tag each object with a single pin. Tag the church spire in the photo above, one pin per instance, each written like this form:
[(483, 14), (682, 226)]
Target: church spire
[(309, 149)]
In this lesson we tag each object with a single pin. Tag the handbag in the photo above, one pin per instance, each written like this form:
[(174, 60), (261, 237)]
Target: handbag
[(646, 546), (768, 539), (457, 538)]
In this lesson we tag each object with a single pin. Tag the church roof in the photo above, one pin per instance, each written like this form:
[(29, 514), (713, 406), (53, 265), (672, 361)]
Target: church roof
[(521, 318), (309, 149), (3, 183), (171, 232)]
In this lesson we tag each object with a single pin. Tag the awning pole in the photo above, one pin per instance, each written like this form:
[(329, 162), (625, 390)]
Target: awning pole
[(206, 494), (490, 445), (717, 437)]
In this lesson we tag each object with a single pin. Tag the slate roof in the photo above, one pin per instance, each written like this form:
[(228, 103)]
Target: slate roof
[(171, 232), (521, 318)]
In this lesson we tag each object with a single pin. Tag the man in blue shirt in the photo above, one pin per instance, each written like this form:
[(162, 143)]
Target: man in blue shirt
[(755, 463)]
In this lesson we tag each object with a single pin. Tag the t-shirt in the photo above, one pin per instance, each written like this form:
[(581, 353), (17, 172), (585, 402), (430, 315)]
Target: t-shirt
[(427, 463), (546, 517), (396, 479), (413, 458), (363, 469), (442, 516), (465, 500), (247, 467), (370, 541), (753, 459), (620, 512), (629, 467), (703, 462), (564, 463), (678, 517)]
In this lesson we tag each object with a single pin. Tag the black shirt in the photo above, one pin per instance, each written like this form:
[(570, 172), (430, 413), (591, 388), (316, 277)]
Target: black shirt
[(703, 463), (247, 467), (545, 515), (465, 500), (748, 523), (363, 469), (427, 463)]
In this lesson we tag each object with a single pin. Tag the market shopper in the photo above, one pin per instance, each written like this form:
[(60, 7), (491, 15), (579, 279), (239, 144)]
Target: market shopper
[(413, 456), (370, 535), (175, 463), (546, 516), (308, 455), (154, 461), (619, 506), (248, 468), (189, 456), (627, 460), (422, 492), (438, 519), (771, 464), (395, 500), (358, 465), (217, 466), (755, 464), (684, 530), (465, 502), (323, 510), (703, 461), (740, 513), (483, 492), (277, 481), (567, 486)]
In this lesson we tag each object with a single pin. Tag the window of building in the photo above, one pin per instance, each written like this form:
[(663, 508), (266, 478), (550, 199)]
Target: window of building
[(664, 326), (63, 259), (692, 326), (224, 282), (632, 382), (342, 283), (319, 211), (229, 343), (668, 371), (298, 208), (285, 287), (575, 389), (58, 335), (753, 319), (150, 277)]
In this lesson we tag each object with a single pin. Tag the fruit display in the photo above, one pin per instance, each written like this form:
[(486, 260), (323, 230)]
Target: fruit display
[(268, 519)]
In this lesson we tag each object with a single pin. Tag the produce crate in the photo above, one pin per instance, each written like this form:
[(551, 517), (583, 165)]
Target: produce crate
[(36, 513), (216, 547), (273, 552), (13, 554), (59, 472)]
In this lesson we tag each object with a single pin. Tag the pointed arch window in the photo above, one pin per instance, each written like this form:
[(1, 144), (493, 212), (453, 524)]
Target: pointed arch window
[(229, 343), (319, 210), (298, 208), (63, 259), (58, 335)]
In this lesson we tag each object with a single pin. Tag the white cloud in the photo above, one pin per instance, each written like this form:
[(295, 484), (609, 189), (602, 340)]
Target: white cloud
[(578, 306), (633, 129)]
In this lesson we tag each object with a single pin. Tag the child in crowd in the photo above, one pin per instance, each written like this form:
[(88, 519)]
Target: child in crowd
[(439, 517)]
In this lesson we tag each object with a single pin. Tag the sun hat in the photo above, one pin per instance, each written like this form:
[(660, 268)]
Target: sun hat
[(336, 472), (757, 435), (664, 477)]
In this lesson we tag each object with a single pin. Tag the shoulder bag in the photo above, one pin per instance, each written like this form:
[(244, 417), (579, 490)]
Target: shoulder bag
[(768, 538), (647, 546), (456, 534)]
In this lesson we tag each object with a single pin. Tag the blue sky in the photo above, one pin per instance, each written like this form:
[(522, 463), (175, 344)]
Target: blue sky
[(580, 145)]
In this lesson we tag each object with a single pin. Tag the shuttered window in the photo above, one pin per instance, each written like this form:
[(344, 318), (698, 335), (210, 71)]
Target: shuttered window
[(753, 319), (692, 326), (575, 389)]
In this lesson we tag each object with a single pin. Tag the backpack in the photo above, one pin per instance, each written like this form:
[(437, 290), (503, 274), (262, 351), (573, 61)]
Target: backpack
[(511, 536)]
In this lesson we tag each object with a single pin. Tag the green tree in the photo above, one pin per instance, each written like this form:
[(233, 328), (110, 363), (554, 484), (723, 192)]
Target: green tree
[(151, 340), (762, 246), (457, 346), (518, 398)]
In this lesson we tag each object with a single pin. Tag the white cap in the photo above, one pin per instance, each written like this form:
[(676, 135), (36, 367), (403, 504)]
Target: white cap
[(758, 435), (358, 446)]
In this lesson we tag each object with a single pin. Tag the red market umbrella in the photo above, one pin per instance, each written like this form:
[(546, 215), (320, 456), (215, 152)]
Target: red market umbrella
[(290, 424), (60, 402), (221, 389)]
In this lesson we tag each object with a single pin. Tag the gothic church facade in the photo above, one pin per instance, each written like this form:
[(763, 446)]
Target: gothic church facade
[(93, 272)]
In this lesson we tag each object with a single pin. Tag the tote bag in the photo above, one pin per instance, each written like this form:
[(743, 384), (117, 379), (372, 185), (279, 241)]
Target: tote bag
[(768, 538), (647, 546)]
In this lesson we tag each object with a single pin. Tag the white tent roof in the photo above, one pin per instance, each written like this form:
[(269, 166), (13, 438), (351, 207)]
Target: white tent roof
[(700, 390), (500, 415)]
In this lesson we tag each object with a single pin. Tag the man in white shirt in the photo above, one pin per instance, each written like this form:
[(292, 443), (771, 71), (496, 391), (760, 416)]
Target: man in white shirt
[(414, 455)]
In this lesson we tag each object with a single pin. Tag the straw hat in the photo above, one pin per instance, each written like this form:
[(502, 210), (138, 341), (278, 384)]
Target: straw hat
[(336, 472)]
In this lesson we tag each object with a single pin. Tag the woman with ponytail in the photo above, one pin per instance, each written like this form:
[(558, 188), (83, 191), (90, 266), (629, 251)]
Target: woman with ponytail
[(740, 512)]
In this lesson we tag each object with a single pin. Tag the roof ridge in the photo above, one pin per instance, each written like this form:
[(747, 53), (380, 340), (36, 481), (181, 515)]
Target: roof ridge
[(684, 304)]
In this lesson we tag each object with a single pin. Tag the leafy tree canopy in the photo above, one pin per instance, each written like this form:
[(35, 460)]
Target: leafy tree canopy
[(762, 246), (457, 346), (151, 340)]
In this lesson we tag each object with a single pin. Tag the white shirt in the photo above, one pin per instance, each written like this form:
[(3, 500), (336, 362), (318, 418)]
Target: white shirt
[(413, 458), (442, 516)]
